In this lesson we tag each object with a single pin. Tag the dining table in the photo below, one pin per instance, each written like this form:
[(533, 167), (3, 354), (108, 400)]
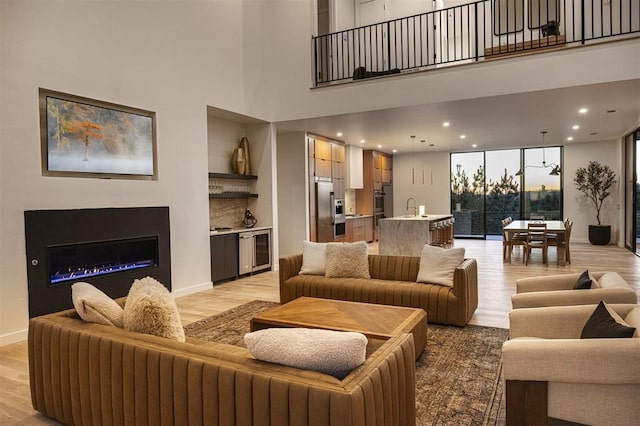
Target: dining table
[(553, 227)]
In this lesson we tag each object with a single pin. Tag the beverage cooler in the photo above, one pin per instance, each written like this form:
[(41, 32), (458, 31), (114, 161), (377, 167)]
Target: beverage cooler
[(254, 251)]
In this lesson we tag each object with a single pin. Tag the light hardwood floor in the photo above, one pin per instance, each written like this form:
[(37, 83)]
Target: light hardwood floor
[(496, 285)]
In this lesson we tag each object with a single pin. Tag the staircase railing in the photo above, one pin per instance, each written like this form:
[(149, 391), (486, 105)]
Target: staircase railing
[(481, 30)]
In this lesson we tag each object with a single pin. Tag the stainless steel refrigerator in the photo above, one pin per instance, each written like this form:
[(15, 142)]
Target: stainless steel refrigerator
[(324, 211)]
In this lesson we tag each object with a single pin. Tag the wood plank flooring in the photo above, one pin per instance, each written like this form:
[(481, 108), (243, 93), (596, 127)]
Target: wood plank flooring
[(496, 285)]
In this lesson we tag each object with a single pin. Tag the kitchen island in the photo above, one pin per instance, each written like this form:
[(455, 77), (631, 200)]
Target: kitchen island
[(407, 235)]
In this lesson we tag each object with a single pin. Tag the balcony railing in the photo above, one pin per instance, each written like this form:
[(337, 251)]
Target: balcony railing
[(481, 30)]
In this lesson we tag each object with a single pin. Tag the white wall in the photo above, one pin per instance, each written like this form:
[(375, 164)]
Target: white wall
[(173, 58), (434, 193), (292, 192), (581, 210)]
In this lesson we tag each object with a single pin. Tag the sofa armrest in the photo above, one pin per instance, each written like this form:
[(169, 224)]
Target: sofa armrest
[(595, 361), (465, 278), (290, 266), (546, 283), (555, 322), (573, 297)]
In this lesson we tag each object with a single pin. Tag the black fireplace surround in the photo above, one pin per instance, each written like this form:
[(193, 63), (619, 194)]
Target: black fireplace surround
[(107, 247)]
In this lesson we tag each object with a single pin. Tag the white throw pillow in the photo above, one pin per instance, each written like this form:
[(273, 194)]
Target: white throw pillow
[(437, 265), (313, 258), (347, 260), (327, 351), (150, 309), (94, 306)]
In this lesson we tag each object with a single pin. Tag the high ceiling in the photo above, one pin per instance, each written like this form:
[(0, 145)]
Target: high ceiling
[(491, 123)]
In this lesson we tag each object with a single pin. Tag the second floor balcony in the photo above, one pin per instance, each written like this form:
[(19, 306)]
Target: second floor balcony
[(472, 32)]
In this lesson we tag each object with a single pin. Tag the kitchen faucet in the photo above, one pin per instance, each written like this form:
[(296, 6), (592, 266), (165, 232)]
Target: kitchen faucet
[(415, 209)]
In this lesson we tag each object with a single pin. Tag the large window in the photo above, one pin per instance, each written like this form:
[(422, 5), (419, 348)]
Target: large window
[(488, 186)]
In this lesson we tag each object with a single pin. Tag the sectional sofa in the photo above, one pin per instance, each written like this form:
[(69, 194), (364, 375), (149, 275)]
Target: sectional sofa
[(392, 282), (87, 374)]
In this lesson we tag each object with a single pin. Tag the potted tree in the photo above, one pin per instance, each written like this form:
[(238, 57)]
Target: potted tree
[(595, 182)]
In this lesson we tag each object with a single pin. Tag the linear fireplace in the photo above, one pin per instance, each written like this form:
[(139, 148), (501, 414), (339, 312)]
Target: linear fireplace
[(108, 248)]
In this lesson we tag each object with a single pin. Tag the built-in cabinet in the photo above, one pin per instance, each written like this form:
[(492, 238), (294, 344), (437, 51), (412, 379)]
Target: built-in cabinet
[(224, 257), (359, 229)]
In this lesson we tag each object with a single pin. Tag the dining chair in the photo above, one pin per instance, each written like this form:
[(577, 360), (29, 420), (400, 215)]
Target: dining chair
[(554, 241), (536, 239)]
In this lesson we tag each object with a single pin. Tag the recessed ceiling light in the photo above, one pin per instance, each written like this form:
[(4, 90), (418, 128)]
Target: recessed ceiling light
[(422, 141), (339, 134), (575, 127), (446, 124), (611, 111), (431, 144), (583, 110), (475, 145), (570, 138), (394, 150), (379, 146), (593, 133), (463, 136), (362, 141)]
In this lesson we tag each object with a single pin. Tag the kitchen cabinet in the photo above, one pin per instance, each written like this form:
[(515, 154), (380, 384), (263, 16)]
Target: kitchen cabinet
[(359, 229), (353, 168), (224, 257)]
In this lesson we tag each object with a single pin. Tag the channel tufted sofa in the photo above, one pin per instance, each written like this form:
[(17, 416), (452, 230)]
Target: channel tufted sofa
[(91, 374), (392, 282)]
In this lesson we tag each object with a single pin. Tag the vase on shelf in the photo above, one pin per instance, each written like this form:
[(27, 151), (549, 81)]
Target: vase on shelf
[(244, 145), (238, 161)]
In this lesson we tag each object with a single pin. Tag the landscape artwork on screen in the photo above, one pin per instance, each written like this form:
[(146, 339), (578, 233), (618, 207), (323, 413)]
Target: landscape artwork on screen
[(96, 138)]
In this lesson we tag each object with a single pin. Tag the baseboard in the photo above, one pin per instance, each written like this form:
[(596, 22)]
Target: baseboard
[(15, 337), (190, 290)]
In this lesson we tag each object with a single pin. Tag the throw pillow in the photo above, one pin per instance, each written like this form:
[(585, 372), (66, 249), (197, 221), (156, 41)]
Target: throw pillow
[(605, 323), (633, 319), (347, 260), (314, 257), (94, 306), (150, 309), (584, 281), (437, 265), (327, 351)]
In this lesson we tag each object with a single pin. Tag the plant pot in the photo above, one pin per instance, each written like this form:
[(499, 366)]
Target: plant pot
[(599, 235)]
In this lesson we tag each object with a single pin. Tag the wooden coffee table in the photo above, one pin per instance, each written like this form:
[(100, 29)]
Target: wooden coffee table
[(375, 321)]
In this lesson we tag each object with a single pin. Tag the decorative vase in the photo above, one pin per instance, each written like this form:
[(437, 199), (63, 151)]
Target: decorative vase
[(599, 235), (238, 161), (244, 144)]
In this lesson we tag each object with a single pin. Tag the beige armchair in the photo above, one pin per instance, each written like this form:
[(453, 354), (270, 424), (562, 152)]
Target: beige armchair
[(557, 290), (551, 373)]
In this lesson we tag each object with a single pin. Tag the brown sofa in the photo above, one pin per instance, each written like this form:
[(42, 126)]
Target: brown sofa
[(88, 374), (393, 282)]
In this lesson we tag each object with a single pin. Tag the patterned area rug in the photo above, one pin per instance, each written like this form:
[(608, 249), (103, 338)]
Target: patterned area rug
[(458, 377)]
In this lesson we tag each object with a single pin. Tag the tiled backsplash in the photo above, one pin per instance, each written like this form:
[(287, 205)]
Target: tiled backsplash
[(350, 201), (225, 212)]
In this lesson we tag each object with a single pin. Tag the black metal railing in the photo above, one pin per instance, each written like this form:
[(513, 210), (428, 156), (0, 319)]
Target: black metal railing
[(481, 30)]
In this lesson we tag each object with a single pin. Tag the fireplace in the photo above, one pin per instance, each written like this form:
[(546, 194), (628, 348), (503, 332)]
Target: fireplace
[(108, 248)]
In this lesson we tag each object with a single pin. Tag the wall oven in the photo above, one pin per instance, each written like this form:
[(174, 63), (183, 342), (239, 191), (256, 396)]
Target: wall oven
[(378, 201), (255, 251), (339, 220)]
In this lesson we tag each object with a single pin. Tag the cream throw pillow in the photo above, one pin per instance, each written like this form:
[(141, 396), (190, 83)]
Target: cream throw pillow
[(94, 306), (150, 309), (313, 258), (347, 260), (437, 265), (633, 319), (327, 351)]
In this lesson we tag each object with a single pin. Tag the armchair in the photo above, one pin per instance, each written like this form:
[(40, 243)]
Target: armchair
[(557, 290), (551, 373)]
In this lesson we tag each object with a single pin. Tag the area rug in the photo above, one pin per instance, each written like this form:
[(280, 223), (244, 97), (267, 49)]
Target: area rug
[(458, 377)]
